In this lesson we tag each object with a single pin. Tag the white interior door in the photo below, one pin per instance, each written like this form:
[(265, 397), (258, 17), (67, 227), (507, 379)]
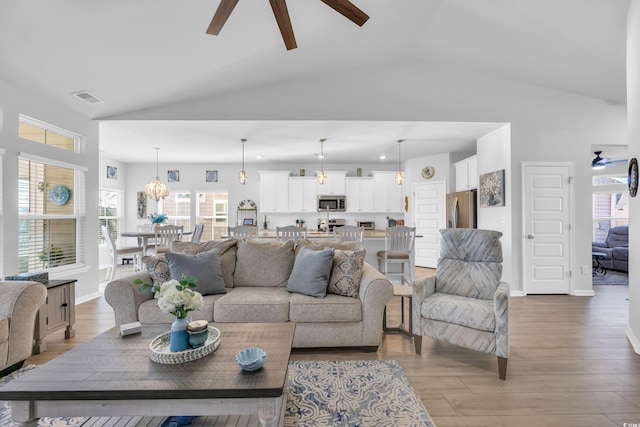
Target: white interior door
[(429, 214), (547, 228)]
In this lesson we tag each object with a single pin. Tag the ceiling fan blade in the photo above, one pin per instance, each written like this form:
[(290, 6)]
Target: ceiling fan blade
[(222, 14), (348, 10), (281, 13)]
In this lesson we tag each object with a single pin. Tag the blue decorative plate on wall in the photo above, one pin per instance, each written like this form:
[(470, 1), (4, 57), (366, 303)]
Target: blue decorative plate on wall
[(59, 195)]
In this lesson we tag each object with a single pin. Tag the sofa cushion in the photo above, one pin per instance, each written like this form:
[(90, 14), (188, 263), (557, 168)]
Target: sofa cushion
[(331, 309), (346, 273), (158, 268), (310, 274), (471, 312), (204, 267), (149, 312), (253, 305), (4, 329), (327, 244), (227, 252), (260, 264)]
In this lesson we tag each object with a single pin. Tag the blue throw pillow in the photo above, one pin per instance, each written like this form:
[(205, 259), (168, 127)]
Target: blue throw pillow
[(311, 271), (205, 267)]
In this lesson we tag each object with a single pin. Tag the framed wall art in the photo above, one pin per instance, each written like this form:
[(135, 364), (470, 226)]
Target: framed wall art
[(173, 175), (141, 200), (112, 172), (212, 176), (633, 177), (491, 189)]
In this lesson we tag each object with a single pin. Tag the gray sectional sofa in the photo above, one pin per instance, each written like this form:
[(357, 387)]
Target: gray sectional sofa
[(256, 288)]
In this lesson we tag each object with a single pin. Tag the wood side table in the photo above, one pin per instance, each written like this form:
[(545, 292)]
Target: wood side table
[(58, 311)]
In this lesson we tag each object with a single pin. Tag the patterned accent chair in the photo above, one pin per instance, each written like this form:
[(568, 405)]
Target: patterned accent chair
[(465, 303)]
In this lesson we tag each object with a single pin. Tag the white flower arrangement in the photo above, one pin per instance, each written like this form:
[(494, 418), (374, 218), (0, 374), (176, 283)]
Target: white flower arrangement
[(175, 297)]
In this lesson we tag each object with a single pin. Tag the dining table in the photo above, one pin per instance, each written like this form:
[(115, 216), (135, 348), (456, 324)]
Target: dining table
[(144, 236)]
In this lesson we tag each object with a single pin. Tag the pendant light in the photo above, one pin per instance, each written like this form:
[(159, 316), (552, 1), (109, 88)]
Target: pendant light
[(242, 176), (322, 175), (156, 189), (399, 175)]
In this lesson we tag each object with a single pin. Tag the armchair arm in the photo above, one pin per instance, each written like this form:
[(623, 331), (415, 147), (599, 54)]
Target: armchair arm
[(375, 292), (501, 311), (599, 245), (421, 290), (125, 298)]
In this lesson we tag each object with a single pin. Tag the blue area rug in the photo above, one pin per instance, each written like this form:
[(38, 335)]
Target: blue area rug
[(349, 393)]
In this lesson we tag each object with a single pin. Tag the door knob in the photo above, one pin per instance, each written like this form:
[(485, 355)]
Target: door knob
[(529, 236)]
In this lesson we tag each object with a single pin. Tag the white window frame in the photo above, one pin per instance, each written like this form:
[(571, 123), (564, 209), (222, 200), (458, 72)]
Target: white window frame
[(119, 218)]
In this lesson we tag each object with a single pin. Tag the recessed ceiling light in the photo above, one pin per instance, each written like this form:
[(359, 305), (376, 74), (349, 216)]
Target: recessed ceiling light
[(382, 157), (259, 156)]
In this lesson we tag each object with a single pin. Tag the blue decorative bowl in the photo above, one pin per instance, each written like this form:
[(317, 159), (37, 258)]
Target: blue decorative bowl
[(251, 359)]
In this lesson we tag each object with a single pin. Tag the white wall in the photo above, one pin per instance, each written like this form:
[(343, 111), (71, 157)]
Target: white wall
[(494, 153), (546, 125), (633, 105), (15, 101)]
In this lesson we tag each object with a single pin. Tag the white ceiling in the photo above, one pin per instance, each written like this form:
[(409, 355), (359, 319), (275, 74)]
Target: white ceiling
[(147, 53)]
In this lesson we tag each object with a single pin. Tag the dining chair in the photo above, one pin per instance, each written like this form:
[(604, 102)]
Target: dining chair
[(398, 249), (291, 232), (197, 233), (349, 233), (164, 235), (115, 251), (242, 232)]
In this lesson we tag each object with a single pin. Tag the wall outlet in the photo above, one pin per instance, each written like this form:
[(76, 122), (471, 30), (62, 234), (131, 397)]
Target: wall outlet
[(586, 269)]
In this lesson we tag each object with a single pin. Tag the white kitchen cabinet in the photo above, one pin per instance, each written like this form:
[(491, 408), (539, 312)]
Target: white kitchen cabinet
[(335, 184), (303, 196), (360, 194), (467, 173), (388, 194), (274, 191)]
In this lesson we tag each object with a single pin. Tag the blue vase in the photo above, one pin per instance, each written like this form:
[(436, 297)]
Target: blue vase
[(179, 340)]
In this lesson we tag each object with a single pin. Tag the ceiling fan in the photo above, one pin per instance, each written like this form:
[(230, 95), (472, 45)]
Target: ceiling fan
[(279, 7), (601, 162)]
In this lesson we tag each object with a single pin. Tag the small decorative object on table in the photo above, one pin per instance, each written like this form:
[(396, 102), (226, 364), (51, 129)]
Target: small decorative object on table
[(198, 332), (177, 298), (300, 222), (157, 218), (251, 358)]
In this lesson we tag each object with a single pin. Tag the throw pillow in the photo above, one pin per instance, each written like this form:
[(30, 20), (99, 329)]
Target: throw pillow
[(227, 252), (158, 268), (310, 274), (263, 263), (205, 267), (346, 273)]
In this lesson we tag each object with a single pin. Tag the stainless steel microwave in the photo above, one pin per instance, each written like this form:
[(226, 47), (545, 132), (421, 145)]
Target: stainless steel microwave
[(332, 203)]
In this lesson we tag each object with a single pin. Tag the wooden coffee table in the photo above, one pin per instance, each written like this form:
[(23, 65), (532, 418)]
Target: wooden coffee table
[(113, 376)]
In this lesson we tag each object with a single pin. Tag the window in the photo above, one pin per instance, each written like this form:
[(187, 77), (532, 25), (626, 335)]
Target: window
[(212, 210), (177, 206), (51, 214), (109, 215), (36, 131)]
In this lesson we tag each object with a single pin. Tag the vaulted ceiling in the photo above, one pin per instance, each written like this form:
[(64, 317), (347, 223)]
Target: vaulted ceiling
[(140, 54)]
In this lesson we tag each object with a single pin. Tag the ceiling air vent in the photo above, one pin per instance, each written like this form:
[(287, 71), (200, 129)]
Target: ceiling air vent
[(88, 97)]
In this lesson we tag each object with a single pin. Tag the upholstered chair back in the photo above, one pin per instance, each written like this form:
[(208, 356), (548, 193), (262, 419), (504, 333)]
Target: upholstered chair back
[(618, 236), (470, 263)]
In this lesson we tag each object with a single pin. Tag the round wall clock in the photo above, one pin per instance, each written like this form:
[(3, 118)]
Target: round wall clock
[(428, 172), (59, 195), (633, 177)]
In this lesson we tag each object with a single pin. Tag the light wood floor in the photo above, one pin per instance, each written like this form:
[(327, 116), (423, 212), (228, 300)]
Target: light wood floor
[(570, 364)]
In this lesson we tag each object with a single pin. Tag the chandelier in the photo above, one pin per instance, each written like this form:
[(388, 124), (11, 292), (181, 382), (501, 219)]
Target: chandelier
[(399, 175), (322, 175), (156, 189), (242, 176)]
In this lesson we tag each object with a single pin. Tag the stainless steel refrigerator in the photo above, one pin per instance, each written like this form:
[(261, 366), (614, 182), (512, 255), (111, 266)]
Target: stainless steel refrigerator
[(461, 209)]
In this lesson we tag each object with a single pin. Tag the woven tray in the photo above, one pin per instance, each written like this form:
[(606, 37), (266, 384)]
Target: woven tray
[(160, 353)]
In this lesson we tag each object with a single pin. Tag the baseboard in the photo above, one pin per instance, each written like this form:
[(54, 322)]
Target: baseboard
[(88, 297), (633, 340), (584, 293), (516, 293)]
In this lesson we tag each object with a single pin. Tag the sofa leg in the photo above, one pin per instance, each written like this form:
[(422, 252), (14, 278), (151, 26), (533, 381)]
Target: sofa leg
[(417, 341), (370, 348), (502, 367)]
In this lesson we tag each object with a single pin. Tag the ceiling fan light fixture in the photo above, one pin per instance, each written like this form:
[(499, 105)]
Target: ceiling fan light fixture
[(156, 189), (243, 178), (399, 177)]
